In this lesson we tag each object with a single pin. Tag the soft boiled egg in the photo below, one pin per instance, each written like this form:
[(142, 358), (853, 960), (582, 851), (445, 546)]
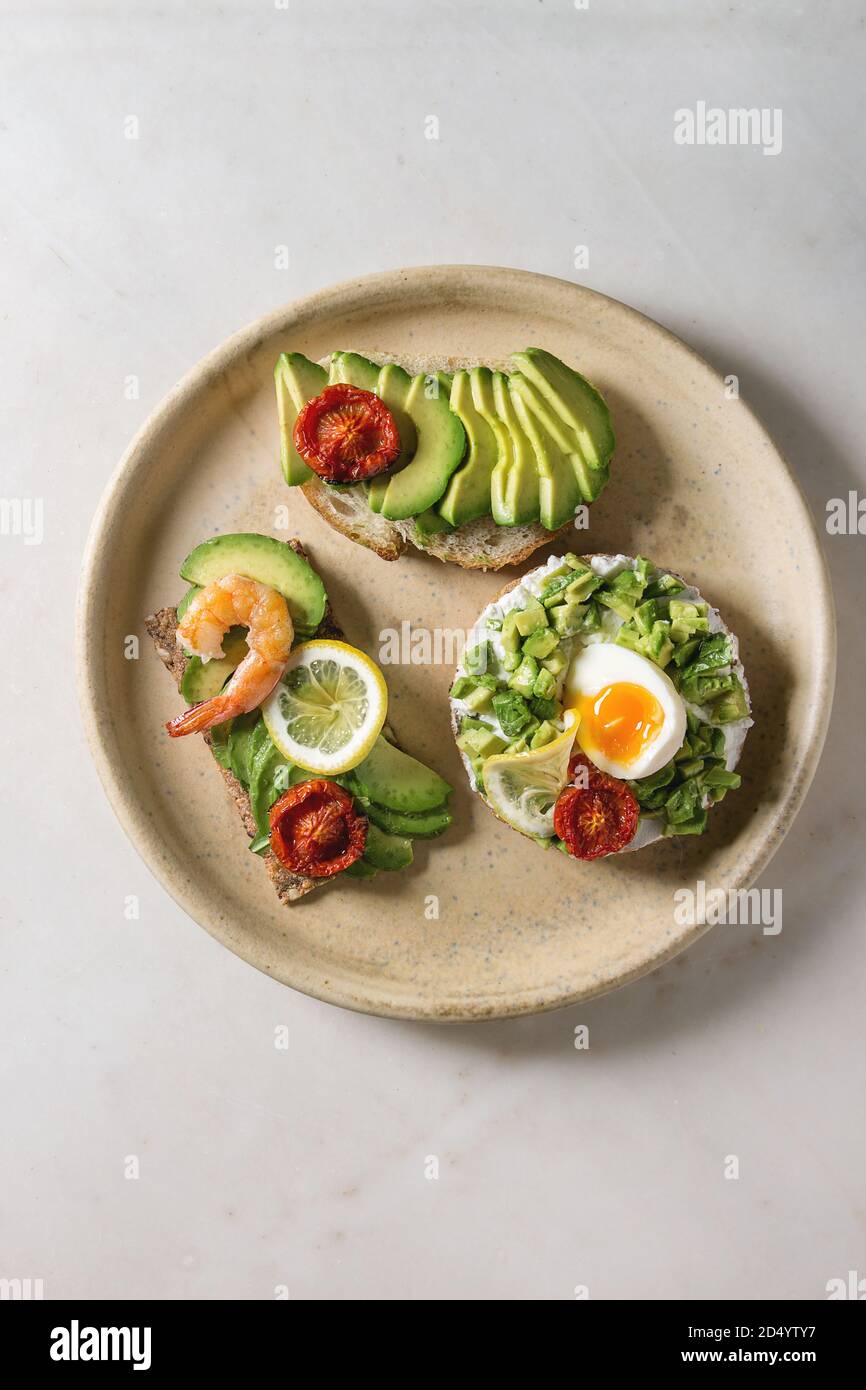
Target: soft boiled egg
[(632, 721)]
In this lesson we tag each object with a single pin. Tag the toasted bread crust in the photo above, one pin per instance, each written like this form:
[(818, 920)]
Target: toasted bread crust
[(162, 629), (479, 544)]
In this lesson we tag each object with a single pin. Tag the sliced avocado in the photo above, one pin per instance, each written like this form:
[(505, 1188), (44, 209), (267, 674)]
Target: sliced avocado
[(186, 600), (562, 397), (297, 380), (514, 497), (558, 490), (392, 387), (203, 679), (430, 523), (422, 825), (439, 451), (384, 851), (354, 370), (244, 739), (392, 778), (468, 493), (267, 560)]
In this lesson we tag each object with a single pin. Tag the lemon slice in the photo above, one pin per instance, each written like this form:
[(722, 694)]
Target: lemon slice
[(522, 788), (327, 711)]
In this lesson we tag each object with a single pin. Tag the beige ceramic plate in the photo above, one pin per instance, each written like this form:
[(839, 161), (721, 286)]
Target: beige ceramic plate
[(697, 486)]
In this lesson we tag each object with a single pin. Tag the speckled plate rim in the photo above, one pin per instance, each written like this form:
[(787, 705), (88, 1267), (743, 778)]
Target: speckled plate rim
[(146, 838)]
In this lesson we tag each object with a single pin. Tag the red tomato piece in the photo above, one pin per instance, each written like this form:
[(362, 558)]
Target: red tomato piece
[(346, 435), (315, 829), (597, 817)]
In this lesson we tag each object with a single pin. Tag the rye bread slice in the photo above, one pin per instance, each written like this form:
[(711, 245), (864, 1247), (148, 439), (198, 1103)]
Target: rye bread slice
[(162, 629)]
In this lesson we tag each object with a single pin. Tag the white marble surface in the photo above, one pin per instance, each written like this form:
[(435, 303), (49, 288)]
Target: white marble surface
[(262, 125)]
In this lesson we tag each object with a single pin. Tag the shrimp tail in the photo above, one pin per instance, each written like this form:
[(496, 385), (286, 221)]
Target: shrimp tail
[(200, 717)]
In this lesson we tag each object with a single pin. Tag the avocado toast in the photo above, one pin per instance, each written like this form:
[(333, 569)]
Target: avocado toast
[(475, 464), (601, 705), (364, 801)]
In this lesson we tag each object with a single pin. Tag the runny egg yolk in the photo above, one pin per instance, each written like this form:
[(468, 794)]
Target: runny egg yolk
[(620, 721)]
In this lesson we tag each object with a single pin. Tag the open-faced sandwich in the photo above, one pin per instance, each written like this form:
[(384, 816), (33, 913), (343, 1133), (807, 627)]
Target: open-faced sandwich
[(295, 718), (474, 465), (600, 705)]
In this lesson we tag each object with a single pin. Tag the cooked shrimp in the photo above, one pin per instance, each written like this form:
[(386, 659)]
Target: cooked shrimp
[(235, 600)]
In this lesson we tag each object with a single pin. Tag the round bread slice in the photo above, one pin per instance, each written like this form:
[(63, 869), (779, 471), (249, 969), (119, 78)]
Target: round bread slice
[(650, 829)]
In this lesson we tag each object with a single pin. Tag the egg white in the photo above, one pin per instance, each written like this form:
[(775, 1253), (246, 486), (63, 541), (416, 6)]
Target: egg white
[(603, 663)]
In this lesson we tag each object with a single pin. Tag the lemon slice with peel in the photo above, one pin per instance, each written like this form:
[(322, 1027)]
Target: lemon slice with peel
[(327, 711), (522, 788)]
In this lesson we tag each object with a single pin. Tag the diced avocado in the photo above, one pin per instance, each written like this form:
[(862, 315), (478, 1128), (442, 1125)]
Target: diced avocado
[(478, 699), (715, 777), (512, 712), (353, 370), (270, 562), (202, 680), (686, 649), (655, 782), (481, 743), (703, 689), (518, 745), (690, 767), (424, 825), (523, 679), (645, 615), (533, 616), (439, 451), (579, 407), (732, 706), (663, 586), (540, 643), (384, 851), (511, 660), (468, 493), (582, 585), (544, 684), (478, 658), (566, 617), (696, 824), (297, 381), (628, 636), (463, 684), (556, 662), (543, 709), (590, 620), (510, 634), (657, 644), (558, 490), (394, 779), (393, 388), (545, 733), (514, 483), (246, 735), (553, 592), (186, 600)]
